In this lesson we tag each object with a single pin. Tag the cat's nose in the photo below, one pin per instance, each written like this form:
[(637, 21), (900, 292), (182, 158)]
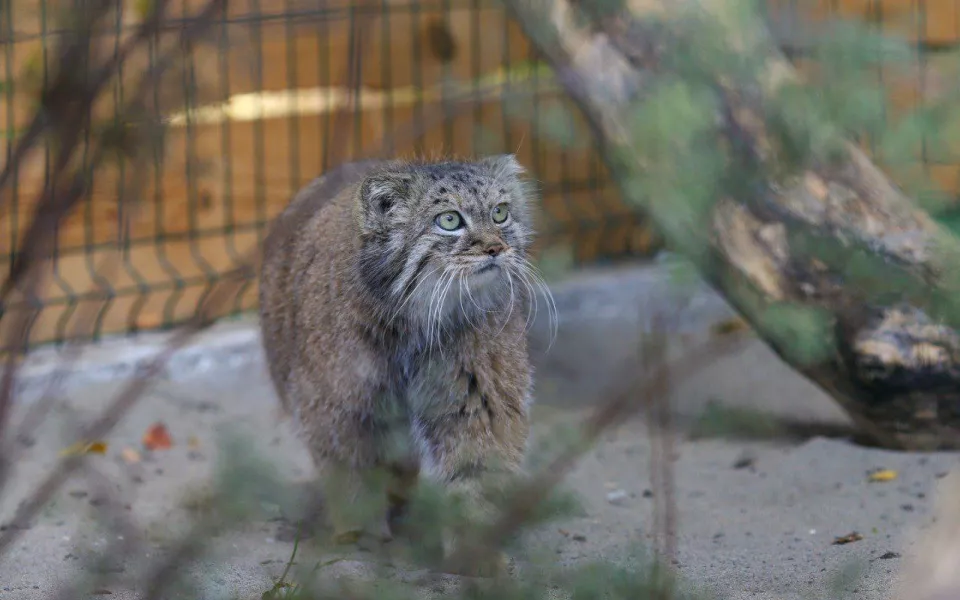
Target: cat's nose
[(494, 249)]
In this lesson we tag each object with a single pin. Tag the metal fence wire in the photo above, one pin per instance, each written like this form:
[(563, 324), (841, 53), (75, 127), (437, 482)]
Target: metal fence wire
[(257, 121)]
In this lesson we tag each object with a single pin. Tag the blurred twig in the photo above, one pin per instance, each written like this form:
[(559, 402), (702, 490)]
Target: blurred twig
[(66, 107), (660, 430)]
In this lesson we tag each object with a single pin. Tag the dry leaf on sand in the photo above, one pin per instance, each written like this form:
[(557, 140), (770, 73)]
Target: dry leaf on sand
[(157, 437)]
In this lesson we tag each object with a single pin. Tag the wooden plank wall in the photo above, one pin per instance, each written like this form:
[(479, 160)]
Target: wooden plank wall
[(223, 178)]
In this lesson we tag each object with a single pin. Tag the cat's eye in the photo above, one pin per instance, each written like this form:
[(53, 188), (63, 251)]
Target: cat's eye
[(500, 213), (449, 221)]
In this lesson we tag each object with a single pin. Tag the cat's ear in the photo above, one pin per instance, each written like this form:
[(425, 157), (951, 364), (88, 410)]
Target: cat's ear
[(380, 192), (504, 166)]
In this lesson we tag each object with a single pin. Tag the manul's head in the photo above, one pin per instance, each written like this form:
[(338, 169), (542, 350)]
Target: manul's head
[(443, 239)]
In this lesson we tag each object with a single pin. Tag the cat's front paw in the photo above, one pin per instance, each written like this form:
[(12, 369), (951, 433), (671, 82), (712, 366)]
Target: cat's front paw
[(363, 538), (481, 563)]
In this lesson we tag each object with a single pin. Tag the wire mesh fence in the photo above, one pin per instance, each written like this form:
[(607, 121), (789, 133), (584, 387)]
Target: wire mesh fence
[(260, 103), (253, 115)]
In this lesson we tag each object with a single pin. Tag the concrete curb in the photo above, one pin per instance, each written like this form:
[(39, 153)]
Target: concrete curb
[(591, 299), (227, 345)]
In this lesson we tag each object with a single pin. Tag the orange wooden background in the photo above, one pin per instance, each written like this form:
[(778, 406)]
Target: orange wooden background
[(222, 180)]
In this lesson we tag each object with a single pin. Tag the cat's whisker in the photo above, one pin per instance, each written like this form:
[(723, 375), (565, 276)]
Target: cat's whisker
[(410, 295), (440, 310), (460, 298), (430, 312), (552, 312), (433, 293), (534, 285), (548, 295), (466, 315), (552, 306), (472, 299), (510, 310), (533, 305)]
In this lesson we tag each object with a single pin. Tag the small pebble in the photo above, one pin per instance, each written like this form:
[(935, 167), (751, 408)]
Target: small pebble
[(617, 497), (745, 460)]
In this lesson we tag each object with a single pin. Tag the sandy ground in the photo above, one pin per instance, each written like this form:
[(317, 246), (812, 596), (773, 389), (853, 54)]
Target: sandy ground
[(757, 516)]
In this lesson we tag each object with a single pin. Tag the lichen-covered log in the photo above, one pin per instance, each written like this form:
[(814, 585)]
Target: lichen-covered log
[(841, 273)]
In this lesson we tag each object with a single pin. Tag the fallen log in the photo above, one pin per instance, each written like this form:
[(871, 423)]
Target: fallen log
[(844, 276)]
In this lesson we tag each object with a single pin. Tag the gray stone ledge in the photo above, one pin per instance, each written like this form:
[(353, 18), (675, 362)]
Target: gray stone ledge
[(597, 307)]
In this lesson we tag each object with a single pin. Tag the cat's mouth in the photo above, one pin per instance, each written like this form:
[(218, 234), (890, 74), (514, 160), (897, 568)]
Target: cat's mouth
[(486, 268)]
